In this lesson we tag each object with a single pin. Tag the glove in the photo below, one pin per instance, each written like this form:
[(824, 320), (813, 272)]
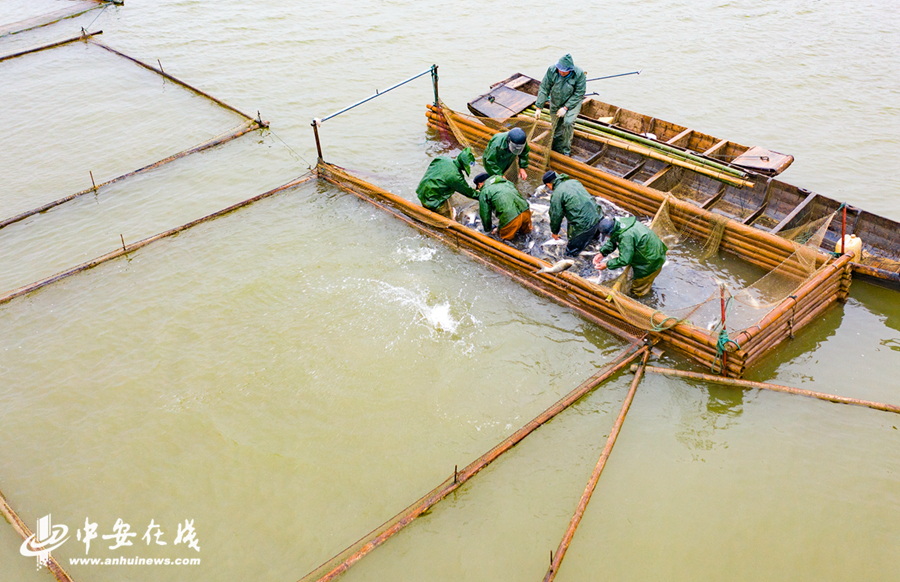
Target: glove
[(562, 112), (537, 112)]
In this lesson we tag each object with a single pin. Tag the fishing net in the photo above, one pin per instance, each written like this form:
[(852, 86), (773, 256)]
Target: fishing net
[(476, 132)]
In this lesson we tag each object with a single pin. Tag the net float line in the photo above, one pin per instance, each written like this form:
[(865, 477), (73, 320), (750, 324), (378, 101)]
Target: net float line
[(125, 249), (53, 17), (344, 560), (16, 522), (38, 49), (595, 476), (178, 81), (773, 387), (245, 128)]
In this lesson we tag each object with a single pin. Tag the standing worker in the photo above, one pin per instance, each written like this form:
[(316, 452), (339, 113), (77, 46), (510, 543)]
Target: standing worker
[(571, 201), (564, 84), (443, 177), (498, 195), (503, 149), (638, 247)]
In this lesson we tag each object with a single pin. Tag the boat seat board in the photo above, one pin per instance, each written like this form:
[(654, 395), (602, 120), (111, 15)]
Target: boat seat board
[(763, 160), (502, 102)]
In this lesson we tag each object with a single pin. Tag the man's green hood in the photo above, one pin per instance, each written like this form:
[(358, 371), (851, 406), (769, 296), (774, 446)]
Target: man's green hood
[(464, 160), (567, 62)]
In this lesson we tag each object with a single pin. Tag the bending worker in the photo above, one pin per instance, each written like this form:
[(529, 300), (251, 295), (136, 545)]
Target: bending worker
[(564, 84), (443, 177), (638, 247), (503, 149), (499, 195), (571, 201)]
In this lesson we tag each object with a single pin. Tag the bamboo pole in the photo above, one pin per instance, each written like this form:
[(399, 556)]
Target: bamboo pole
[(49, 18), (83, 37), (380, 535), (182, 83), (16, 522), (773, 387), (243, 129), (30, 288), (595, 476)]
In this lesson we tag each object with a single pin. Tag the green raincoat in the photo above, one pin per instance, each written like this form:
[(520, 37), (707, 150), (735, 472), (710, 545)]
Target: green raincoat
[(497, 157), (443, 177), (638, 246), (500, 196), (572, 201), (565, 92)]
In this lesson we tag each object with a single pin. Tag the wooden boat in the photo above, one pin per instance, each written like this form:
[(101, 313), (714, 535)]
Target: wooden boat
[(760, 201)]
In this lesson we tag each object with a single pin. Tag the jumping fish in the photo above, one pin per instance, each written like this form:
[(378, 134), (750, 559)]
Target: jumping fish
[(558, 267), (553, 242)]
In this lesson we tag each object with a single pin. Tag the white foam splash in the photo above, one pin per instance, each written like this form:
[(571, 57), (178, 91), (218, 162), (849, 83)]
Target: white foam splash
[(417, 255)]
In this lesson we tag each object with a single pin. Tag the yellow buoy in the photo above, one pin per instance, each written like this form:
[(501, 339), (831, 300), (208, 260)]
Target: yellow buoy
[(853, 244)]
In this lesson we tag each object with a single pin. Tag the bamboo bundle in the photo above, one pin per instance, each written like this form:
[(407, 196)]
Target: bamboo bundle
[(26, 289), (344, 560), (234, 134), (13, 518)]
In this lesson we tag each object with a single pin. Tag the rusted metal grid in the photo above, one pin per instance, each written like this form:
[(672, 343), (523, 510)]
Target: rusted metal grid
[(250, 124), (829, 284)]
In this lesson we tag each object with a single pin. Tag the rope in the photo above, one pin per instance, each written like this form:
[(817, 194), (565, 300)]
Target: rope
[(88, 27), (723, 340)]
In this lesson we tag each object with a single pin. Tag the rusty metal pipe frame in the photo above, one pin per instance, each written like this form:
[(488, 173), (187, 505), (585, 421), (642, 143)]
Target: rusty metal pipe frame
[(773, 387), (400, 521), (595, 476), (31, 287), (244, 129)]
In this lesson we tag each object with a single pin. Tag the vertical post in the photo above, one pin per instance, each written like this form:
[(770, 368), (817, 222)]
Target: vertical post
[(725, 352), (844, 229), (434, 81), (315, 127)]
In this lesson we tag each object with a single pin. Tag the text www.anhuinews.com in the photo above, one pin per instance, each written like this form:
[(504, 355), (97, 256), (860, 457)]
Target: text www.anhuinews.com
[(122, 561)]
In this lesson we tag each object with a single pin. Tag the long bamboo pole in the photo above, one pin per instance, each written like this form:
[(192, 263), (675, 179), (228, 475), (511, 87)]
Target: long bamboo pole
[(16, 522), (380, 535), (773, 387), (595, 476), (182, 83), (243, 129), (50, 17), (38, 49), (24, 290)]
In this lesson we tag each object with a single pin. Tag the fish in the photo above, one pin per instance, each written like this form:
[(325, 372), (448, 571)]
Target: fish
[(553, 242), (558, 267), (467, 216), (587, 253), (540, 208)]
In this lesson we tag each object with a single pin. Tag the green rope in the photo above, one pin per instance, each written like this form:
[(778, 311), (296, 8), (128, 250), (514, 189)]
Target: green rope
[(661, 326), (724, 340)]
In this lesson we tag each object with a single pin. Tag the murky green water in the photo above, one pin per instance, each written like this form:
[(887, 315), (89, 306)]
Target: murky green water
[(293, 374)]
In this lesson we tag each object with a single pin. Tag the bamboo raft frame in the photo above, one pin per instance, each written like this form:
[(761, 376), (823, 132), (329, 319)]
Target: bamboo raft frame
[(16, 522), (55, 16), (32, 287), (811, 299)]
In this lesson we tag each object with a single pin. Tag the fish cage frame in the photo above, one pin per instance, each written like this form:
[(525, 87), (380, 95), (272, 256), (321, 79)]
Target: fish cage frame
[(250, 123), (829, 284), (57, 15)]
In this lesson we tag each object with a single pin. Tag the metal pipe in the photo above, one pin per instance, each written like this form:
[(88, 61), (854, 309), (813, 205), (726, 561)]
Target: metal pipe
[(774, 387), (595, 476), (614, 76), (432, 69), (315, 126), (434, 81)]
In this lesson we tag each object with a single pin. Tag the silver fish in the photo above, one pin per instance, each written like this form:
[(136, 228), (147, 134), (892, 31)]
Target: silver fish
[(559, 266), (540, 208), (553, 242)]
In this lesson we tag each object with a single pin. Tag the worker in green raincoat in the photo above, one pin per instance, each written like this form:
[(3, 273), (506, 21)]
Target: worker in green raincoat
[(638, 247), (443, 177), (564, 85), (571, 201), (498, 195), (503, 148)]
